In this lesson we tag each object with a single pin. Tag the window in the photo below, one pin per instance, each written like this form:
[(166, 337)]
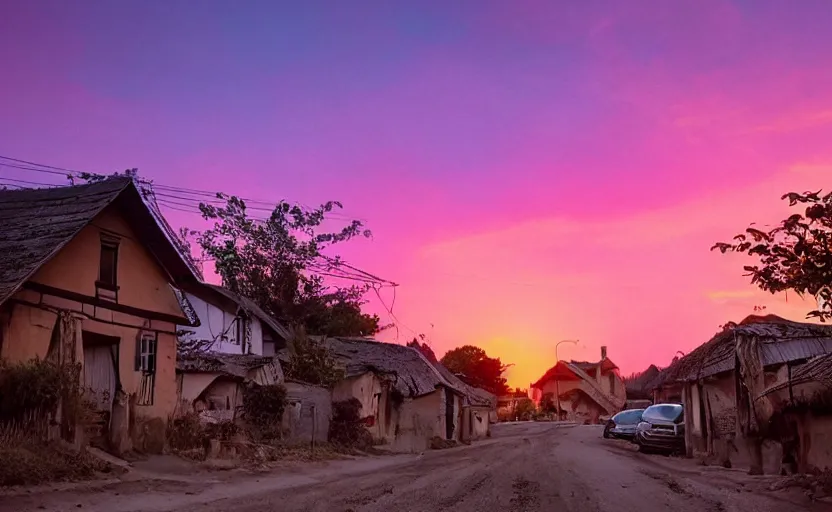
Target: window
[(108, 269), (146, 363), (241, 330), (146, 353), (612, 383), (106, 286)]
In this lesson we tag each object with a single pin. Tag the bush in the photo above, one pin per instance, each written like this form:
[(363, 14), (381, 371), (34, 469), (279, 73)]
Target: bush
[(263, 408), (30, 393), (185, 434), (312, 362), (346, 429)]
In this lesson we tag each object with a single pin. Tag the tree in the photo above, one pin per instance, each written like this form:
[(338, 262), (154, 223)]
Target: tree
[(312, 362), (525, 409), (473, 366), (279, 264), (547, 403), (423, 348), (794, 255)]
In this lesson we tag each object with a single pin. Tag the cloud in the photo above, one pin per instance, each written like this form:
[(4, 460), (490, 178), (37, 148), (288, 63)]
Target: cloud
[(797, 122)]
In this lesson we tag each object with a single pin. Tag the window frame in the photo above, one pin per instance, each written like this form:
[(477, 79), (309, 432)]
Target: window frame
[(106, 286), (240, 329), (147, 355)]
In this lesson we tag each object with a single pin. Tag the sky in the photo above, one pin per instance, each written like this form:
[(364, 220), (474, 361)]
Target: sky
[(531, 171)]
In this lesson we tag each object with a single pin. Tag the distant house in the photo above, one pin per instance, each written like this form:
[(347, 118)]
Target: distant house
[(405, 400), (757, 357), (479, 407), (507, 406), (586, 390), (637, 385), (86, 276), (231, 324)]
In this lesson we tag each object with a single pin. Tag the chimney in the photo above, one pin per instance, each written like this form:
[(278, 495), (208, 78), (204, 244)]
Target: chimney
[(603, 353)]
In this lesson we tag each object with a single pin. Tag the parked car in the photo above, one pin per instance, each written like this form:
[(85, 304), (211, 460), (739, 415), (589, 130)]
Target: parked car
[(662, 428), (623, 425)]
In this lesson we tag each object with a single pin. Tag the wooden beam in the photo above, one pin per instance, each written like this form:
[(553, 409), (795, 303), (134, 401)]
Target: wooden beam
[(105, 304)]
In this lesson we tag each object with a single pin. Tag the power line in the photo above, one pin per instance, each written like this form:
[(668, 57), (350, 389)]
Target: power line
[(62, 171), (188, 200), (39, 165), (25, 182)]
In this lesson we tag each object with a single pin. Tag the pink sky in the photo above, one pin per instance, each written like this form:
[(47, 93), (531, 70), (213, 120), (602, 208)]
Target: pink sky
[(530, 172)]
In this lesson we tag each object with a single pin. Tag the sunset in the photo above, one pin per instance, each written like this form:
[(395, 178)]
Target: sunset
[(530, 171)]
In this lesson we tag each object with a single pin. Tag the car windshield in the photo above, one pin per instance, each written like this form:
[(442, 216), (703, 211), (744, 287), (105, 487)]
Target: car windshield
[(663, 412), (630, 417)]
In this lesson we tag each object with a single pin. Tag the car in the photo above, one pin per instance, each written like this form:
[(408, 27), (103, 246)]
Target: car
[(662, 429), (623, 425)]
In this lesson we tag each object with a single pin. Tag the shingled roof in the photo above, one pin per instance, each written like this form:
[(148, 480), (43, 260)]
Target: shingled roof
[(232, 365), (818, 369), (782, 341), (35, 224), (411, 373), (474, 396)]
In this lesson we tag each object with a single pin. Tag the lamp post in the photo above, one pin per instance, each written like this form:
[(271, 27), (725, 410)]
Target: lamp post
[(557, 378)]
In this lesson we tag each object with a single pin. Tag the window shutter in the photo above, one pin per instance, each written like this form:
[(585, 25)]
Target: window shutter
[(151, 358)]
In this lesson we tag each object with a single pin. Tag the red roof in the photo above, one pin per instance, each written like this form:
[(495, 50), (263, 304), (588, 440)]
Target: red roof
[(562, 372)]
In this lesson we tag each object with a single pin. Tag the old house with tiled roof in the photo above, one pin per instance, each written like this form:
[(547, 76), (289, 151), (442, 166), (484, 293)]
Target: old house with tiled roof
[(405, 400), (583, 391), (722, 381), (479, 407), (87, 275)]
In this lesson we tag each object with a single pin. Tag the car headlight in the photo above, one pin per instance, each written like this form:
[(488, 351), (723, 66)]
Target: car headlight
[(641, 427)]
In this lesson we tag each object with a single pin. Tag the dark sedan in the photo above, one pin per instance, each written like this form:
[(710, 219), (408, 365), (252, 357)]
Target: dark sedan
[(623, 425), (662, 428)]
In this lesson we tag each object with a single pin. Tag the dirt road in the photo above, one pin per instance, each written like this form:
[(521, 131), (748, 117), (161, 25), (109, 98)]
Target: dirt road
[(524, 467)]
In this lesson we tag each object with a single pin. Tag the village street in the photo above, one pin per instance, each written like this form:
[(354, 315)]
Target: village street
[(524, 467)]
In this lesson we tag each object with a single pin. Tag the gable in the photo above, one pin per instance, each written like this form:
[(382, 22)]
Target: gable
[(142, 281), (36, 223)]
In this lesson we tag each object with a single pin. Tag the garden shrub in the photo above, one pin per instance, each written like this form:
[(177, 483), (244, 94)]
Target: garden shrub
[(346, 428), (263, 408), (32, 391)]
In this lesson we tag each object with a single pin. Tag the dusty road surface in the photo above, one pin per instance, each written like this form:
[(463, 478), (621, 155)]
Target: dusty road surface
[(523, 468)]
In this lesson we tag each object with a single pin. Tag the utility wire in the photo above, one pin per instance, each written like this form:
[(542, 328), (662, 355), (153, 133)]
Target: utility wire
[(187, 200)]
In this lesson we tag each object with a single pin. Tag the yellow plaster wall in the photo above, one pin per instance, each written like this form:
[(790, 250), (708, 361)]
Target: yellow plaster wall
[(142, 282), (27, 333)]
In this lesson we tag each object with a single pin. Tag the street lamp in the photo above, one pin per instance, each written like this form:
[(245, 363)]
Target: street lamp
[(557, 361)]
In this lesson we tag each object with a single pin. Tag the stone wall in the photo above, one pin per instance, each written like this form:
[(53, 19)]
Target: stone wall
[(307, 414)]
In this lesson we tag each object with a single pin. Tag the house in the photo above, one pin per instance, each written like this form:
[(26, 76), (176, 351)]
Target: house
[(405, 400), (479, 407), (636, 385), (86, 277), (585, 391), (230, 323), (722, 381)]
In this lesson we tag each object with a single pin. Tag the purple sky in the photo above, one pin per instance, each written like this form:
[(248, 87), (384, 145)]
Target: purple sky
[(524, 166)]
